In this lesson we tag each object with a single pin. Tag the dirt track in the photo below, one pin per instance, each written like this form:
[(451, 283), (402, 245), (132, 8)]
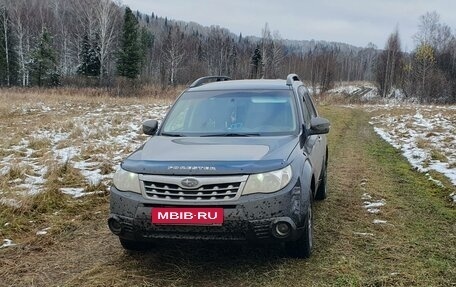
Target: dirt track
[(415, 247)]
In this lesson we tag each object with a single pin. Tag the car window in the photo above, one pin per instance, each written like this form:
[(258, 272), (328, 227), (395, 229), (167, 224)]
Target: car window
[(177, 122), (233, 112), (311, 105), (305, 106)]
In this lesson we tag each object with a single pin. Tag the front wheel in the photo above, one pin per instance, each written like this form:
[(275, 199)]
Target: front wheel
[(302, 247)]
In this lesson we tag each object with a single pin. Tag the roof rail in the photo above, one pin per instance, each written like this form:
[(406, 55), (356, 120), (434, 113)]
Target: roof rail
[(204, 80), (292, 78)]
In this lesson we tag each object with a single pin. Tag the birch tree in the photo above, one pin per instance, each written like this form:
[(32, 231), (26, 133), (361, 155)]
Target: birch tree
[(20, 20), (107, 16), (277, 55), (5, 44), (173, 53)]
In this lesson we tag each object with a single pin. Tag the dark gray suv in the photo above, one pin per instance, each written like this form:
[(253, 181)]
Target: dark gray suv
[(232, 160)]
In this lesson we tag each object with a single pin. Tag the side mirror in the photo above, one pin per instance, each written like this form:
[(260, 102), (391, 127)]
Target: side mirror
[(319, 126), (150, 127)]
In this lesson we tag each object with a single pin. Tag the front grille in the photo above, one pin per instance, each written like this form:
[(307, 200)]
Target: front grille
[(207, 192), (168, 188)]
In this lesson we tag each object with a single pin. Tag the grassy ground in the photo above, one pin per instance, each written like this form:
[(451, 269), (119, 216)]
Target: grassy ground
[(416, 246)]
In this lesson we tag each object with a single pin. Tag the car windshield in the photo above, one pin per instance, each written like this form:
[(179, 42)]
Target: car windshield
[(232, 113)]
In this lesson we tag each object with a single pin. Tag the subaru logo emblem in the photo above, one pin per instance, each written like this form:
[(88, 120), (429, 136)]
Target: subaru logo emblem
[(189, 182)]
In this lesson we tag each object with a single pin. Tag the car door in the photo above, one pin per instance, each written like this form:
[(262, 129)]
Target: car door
[(322, 138), (313, 145)]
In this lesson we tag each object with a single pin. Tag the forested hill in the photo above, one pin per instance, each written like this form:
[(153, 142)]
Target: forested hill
[(50, 42), (99, 43)]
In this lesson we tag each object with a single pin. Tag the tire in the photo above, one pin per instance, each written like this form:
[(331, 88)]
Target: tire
[(132, 245), (322, 191), (302, 247)]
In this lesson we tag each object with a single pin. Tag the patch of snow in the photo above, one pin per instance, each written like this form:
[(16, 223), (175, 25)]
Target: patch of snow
[(371, 95), (397, 94), (378, 221), (11, 202), (386, 136), (4, 170), (29, 188), (453, 196), (74, 192), (107, 134), (376, 204), (373, 210), (65, 154), (345, 89), (77, 192), (7, 243), (43, 231), (424, 134), (435, 181), (366, 196), (373, 207), (363, 233)]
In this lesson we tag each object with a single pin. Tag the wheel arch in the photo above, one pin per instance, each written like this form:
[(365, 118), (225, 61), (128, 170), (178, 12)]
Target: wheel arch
[(307, 180)]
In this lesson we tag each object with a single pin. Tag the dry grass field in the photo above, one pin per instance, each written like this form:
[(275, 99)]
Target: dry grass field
[(383, 224)]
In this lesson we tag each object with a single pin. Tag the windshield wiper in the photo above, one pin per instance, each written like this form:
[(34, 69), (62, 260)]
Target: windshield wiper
[(232, 135), (171, 134)]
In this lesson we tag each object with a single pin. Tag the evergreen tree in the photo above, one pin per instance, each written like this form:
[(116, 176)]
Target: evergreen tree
[(44, 62), (146, 41), (90, 65), (129, 56), (255, 63)]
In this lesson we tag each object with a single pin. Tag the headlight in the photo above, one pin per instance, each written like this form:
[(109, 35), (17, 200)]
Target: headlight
[(126, 181), (268, 182)]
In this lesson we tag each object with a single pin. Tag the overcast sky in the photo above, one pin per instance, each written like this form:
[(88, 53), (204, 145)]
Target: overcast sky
[(356, 22)]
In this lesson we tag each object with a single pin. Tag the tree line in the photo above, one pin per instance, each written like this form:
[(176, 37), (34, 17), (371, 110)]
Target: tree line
[(428, 73), (96, 42), (102, 43)]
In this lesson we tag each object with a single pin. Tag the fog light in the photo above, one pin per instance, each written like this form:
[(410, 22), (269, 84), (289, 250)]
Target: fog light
[(282, 229), (115, 226)]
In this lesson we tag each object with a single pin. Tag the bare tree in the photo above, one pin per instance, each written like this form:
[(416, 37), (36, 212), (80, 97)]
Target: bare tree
[(277, 55), (267, 45), (61, 13), (107, 17), (433, 68), (173, 53), (20, 19), (218, 49), (5, 21), (389, 65), (427, 29)]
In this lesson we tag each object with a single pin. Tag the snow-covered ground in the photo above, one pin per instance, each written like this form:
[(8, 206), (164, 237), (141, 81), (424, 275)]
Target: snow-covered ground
[(367, 92), (92, 140), (426, 135)]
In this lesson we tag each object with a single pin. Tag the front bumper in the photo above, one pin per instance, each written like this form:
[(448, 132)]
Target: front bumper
[(251, 217)]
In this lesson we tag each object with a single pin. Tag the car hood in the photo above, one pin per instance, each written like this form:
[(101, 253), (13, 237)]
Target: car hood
[(211, 155)]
